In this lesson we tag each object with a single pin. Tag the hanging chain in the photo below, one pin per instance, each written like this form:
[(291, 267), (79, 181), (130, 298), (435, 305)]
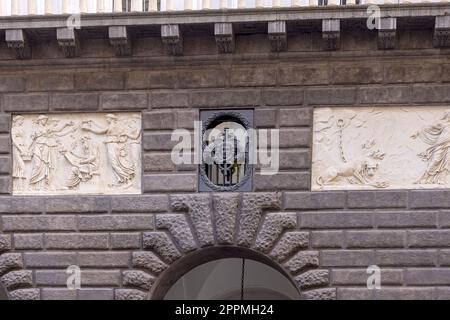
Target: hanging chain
[(242, 279), (340, 124)]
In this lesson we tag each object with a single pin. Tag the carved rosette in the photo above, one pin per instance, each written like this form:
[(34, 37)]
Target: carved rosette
[(211, 219), (17, 282)]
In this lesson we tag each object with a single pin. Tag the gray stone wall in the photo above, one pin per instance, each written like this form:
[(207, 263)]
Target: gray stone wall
[(325, 240)]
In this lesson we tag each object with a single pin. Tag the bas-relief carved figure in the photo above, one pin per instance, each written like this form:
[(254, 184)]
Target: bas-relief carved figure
[(76, 154), (382, 147)]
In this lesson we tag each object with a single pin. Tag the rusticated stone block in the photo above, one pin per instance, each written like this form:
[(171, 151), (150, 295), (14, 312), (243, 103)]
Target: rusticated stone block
[(358, 277), (50, 259), (282, 181), (115, 222), (10, 261), (148, 261), (136, 278), (430, 93), (76, 240), (429, 238), (158, 141), (320, 294), (404, 293), (375, 239), (95, 294), (303, 75), (100, 81), (17, 279), (58, 294), (12, 83), (179, 228), (75, 102), (265, 118), (125, 240), (25, 294), (130, 294), (157, 120), (407, 219), (169, 99), (330, 96), (5, 165), (335, 220), (273, 226), (39, 223), (169, 183), (295, 138), (5, 144), (340, 258), (313, 278), (226, 208), (225, 98), (5, 123), (327, 239), (158, 161), (77, 204), (124, 101), (5, 242), (298, 117), (28, 241), (5, 185), (421, 199), (53, 81), (161, 243), (350, 74), (283, 97), (289, 243), (384, 95), (301, 261), (142, 203), (32, 102), (199, 208), (104, 259), (314, 200), (377, 199), (250, 218)]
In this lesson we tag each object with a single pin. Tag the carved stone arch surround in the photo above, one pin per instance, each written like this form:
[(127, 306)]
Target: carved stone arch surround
[(17, 281), (245, 220)]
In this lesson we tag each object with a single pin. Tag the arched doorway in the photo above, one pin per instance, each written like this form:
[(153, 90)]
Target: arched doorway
[(225, 273)]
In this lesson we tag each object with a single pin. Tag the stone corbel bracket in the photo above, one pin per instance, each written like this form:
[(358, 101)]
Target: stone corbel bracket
[(442, 32), (224, 37), (331, 34), (16, 40), (172, 39), (120, 40), (387, 33), (68, 41), (277, 35)]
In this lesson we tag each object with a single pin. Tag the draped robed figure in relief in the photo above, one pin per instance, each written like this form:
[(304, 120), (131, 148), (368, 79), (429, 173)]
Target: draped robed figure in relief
[(437, 155)]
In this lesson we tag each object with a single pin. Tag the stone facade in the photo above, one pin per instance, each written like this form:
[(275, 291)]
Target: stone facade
[(323, 240)]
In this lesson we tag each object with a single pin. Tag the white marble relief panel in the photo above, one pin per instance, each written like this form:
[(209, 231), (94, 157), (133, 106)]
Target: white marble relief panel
[(381, 148), (79, 153)]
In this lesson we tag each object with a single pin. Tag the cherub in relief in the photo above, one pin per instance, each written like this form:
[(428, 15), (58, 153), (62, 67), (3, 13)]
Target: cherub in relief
[(118, 148), (437, 155)]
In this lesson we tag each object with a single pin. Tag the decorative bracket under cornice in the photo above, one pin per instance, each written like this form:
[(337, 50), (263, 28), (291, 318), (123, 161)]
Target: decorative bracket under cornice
[(120, 40), (172, 39), (224, 37), (331, 34), (277, 35), (16, 40), (68, 41), (442, 32), (387, 33)]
